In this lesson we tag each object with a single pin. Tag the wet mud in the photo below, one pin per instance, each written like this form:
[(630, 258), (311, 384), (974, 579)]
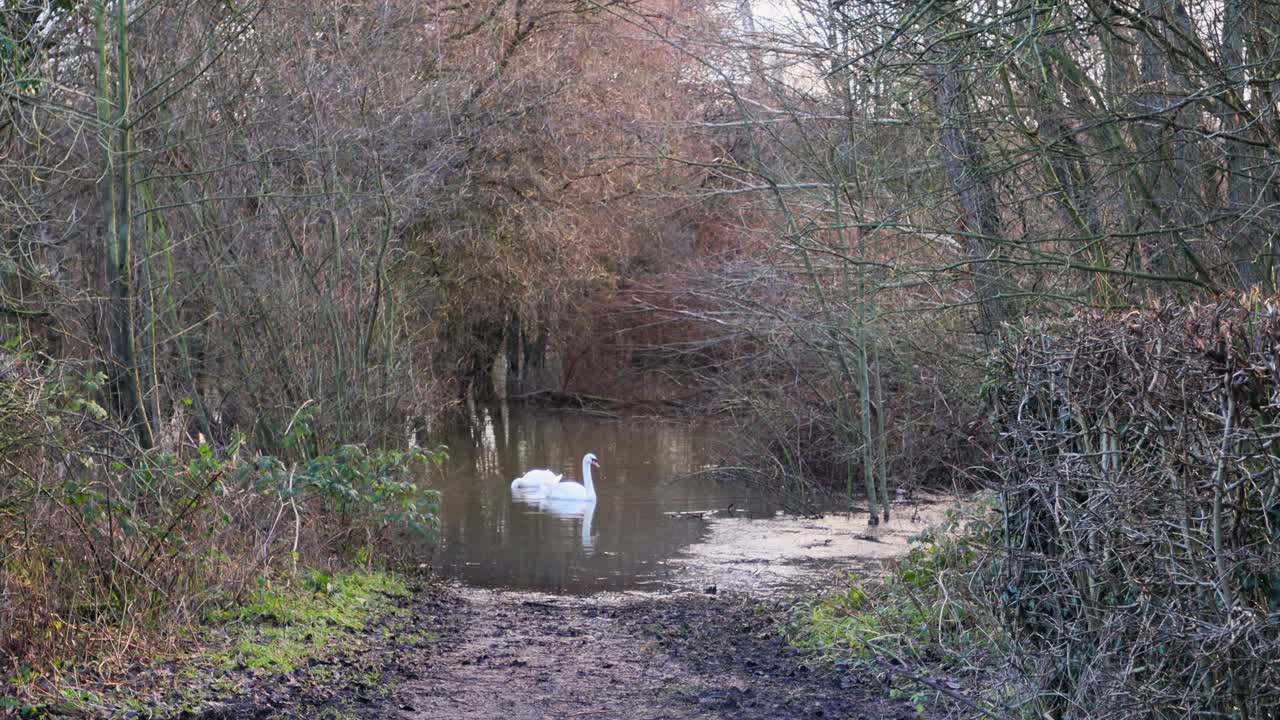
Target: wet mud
[(518, 656)]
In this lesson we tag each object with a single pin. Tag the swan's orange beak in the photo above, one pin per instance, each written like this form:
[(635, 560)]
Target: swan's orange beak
[(596, 463)]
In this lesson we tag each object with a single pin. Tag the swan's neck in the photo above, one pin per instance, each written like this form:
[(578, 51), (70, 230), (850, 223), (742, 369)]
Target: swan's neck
[(586, 477)]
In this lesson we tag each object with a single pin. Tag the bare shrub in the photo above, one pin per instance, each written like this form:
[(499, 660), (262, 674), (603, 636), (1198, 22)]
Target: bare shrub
[(1138, 566), (753, 345)]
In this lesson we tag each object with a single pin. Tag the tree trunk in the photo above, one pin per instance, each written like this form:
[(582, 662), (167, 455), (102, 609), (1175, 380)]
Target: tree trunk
[(882, 440), (1167, 154), (1244, 244), (971, 181), (115, 140), (1067, 162), (513, 335), (534, 355)]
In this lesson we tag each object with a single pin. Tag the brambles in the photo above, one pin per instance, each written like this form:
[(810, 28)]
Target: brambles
[(1131, 566), (1139, 560), (371, 491)]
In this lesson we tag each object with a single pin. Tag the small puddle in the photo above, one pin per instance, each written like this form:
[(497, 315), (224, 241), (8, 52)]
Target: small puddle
[(659, 522)]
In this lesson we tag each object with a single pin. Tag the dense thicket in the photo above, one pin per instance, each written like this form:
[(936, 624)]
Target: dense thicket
[(247, 248), (814, 217), (902, 181), (818, 221), (105, 549), (1137, 565), (347, 205)]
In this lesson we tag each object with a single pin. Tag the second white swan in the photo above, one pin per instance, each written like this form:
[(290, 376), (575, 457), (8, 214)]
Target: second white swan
[(569, 490), (535, 481)]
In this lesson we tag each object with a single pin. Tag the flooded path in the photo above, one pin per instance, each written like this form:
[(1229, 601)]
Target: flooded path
[(649, 473), (645, 605), (668, 598), (660, 523)]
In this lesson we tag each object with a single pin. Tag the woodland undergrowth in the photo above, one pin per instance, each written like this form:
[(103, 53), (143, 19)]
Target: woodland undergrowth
[(111, 554)]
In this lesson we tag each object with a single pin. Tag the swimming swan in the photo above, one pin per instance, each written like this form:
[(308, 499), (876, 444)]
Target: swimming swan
[(570, 490), (535, 480)]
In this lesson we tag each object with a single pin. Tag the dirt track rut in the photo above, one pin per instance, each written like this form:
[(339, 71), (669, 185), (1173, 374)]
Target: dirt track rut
[(515, 656)]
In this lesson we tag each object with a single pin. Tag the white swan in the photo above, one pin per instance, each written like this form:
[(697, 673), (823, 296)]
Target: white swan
[(535, 481), (570, 490)]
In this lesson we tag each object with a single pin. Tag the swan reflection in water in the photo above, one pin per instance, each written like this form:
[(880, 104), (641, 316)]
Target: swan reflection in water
[(568, 510), (582, 511)]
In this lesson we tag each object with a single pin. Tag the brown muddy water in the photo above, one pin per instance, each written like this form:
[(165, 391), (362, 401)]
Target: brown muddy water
[(628, 539), (660, 522)]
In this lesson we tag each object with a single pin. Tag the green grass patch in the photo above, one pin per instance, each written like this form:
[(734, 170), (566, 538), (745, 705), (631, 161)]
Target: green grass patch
[(418, 639), (907, 616), (920, 617), (278, 628)]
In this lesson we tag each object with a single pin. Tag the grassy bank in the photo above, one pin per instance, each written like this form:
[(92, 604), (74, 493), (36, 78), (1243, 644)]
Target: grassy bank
[(289, 642), (917, 627)]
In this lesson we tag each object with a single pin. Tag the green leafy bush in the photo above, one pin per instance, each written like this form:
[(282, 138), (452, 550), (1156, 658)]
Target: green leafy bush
[(919, 620), (373, 490)]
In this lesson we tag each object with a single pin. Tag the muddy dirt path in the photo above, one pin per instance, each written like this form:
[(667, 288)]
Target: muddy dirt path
[(645, 656), (709, 644), (526, 656), (518, 656)]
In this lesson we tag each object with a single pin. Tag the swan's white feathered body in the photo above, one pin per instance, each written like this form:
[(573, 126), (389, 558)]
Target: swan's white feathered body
[(535, 480), (573, 491)]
